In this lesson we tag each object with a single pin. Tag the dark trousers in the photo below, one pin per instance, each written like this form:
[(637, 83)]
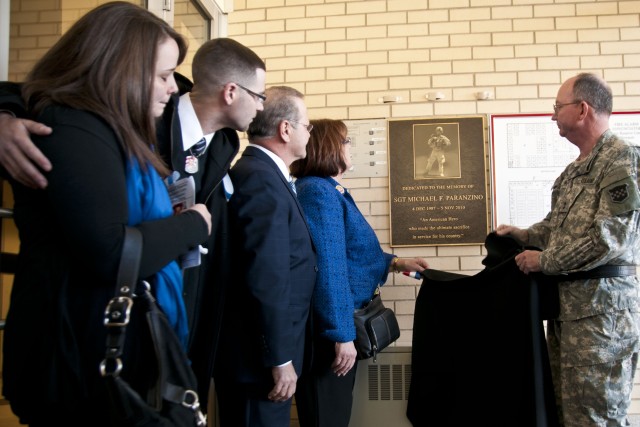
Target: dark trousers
[(323, 399)]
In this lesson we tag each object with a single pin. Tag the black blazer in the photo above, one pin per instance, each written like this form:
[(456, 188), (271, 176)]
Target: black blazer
[(274, 265)]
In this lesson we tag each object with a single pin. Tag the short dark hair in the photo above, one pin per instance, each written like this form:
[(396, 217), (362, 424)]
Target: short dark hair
[(278, 106), (324, 150), (223, 60), (595, 91)]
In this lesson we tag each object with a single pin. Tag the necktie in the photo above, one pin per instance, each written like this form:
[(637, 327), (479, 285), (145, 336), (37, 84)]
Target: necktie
[(198, 149), (292, 185)]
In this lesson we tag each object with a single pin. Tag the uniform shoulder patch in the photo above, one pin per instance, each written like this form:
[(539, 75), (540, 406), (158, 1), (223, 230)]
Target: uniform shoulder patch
[(619, 193)]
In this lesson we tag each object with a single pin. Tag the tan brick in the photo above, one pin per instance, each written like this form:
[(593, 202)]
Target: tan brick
[(608, 48), (31, 54), (31, 17), (303, 2), (473, 66), (537, 77), (618, 21), (409, 55), (534, 24), (447, 4), (315, 101), (305, 49), (37, 29), (287, 12), (460, 27), (597, 9), (493, 26), (368, 6), (38, 5), (630, 33), (459, 40), (496, 79), (408, 30), (601, 61), (367, 58), (513, 38), (428, 42), (516, 64), (336, 60), (285, 63), (364, 85), (451, 53), (431, 68), (476, 3), (264, 52), (409, 82), (576, 22), (498, 106), (237, 29), (387, 44), (564, 36), (346, 99), (380, 208), (428, 16), (598, 35), (516, 92), (285, 37), (628, 6), (326, 87), (570, 49), (254, 4), (326, 35), (560, 63), (265, 27), (247, 16), (295, 24), (455, 80), (326, 9), (470, 14), (18, 43), (251, 40), (493, 52), (366, 32), (393, 5), (632, 88), (337, 113), (346, 21), (512, 12), (620, 74), (629, 103), (555, 10), (346, 46), (350, 72), (631, 60), (305, 75), (387, 18)]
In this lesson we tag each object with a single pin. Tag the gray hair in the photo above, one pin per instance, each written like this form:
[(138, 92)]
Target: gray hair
[(594, 91), (279, 106)]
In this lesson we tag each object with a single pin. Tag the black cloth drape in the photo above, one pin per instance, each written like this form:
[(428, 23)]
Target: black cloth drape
[(479, 355)]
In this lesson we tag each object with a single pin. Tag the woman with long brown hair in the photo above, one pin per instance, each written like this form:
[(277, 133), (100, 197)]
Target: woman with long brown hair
[(100, 88)]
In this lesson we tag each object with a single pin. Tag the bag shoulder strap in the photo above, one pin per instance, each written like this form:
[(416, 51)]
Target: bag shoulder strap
[(118, 312)]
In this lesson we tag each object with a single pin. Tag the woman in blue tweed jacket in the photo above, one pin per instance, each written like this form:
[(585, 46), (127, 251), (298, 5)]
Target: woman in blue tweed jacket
[(351, 266)]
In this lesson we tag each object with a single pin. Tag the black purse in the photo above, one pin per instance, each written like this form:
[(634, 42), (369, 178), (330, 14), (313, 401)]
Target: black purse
[(170, 398), (376, 328)]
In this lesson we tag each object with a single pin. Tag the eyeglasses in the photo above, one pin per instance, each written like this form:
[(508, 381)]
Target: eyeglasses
[(346, 141), (309, 126), (259, 96), (557, 107)]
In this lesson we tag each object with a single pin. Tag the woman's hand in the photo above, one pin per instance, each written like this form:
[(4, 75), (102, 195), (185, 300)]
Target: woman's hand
[(345, 358), (412, 264)]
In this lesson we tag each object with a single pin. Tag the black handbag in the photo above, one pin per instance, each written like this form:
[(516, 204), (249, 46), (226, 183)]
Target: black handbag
[(170, 398), (376, 328)]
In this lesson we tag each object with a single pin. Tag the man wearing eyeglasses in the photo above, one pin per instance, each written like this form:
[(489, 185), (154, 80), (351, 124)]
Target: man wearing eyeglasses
[(197, 138), (262, 342), (591, 241)]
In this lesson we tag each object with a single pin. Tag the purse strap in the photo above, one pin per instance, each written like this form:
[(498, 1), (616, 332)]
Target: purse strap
[(118, 312)]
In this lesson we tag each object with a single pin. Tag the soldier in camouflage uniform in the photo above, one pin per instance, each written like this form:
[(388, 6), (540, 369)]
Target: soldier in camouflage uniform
[(437, 143), (594, 222)]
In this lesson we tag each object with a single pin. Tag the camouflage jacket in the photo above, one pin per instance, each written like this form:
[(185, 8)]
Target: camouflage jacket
[(594, 219)]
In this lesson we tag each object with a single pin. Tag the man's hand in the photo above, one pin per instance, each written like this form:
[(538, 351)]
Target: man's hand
[(285, 379), (18, 155), (529, 261), (345, 358), (520, 235)]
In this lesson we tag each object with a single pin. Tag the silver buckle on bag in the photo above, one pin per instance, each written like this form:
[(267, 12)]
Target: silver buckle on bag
[(118, 311), (190, 400)]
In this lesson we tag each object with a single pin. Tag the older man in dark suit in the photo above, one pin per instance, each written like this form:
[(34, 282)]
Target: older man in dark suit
[(267, 308)]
